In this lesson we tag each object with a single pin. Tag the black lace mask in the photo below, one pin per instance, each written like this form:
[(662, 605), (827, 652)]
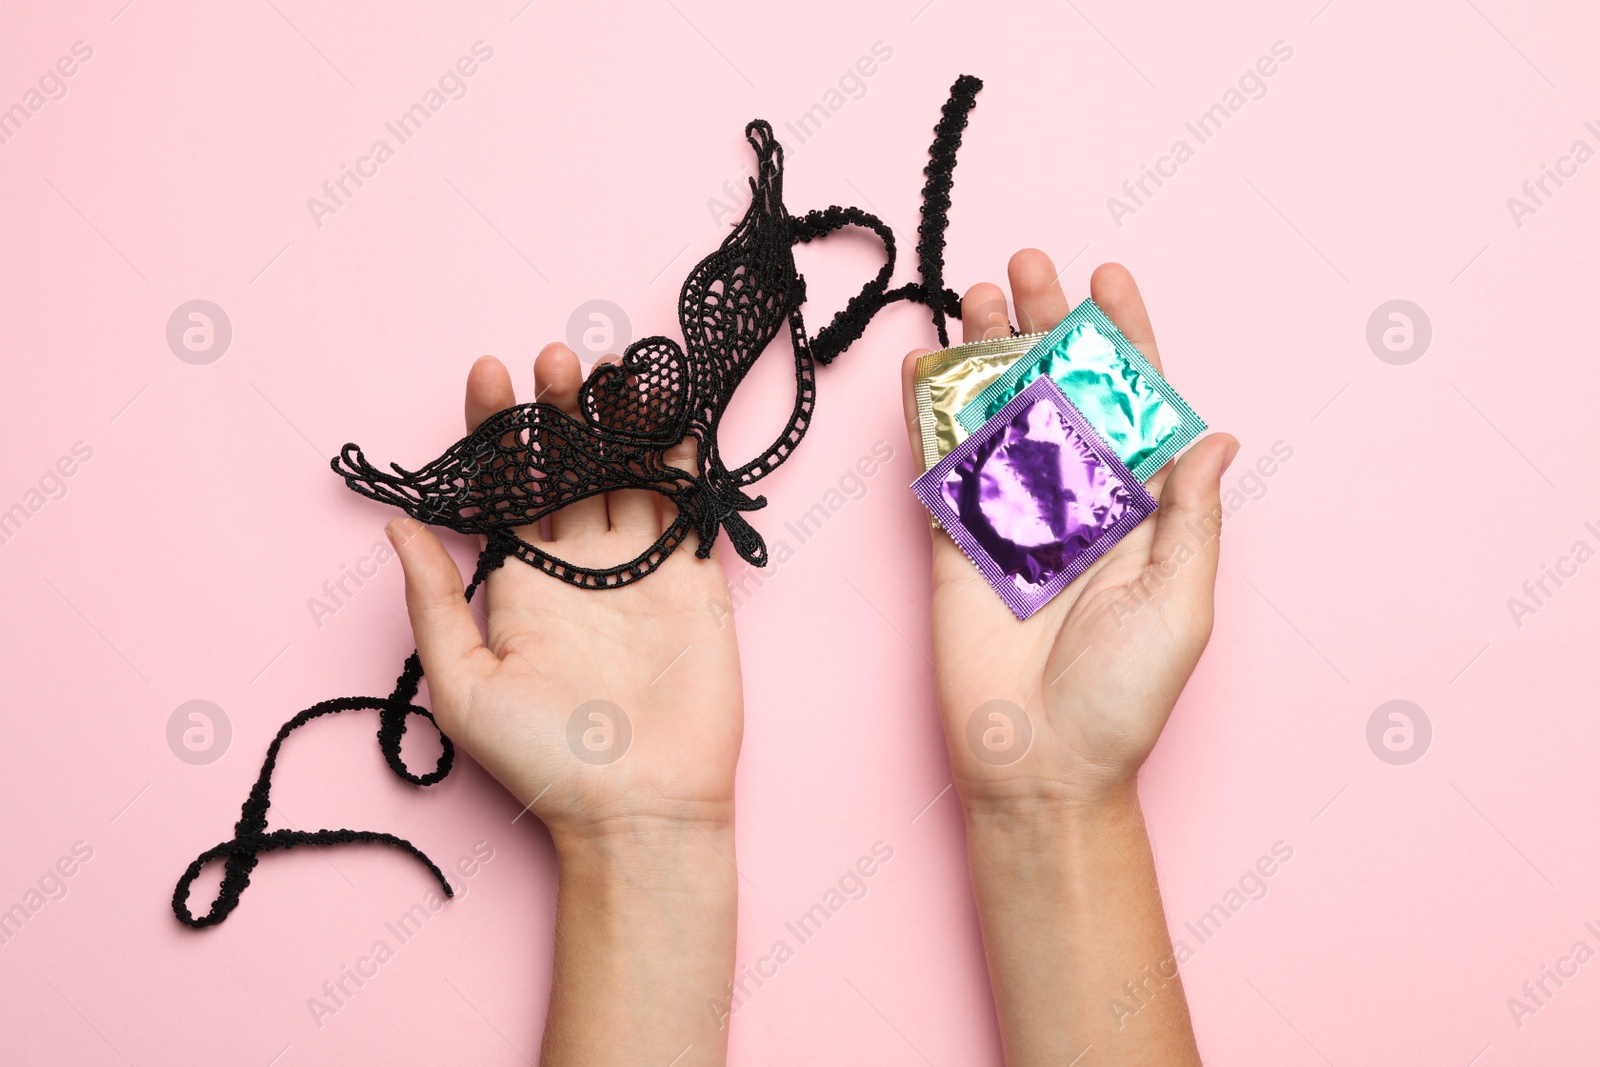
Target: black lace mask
[(527, 461)]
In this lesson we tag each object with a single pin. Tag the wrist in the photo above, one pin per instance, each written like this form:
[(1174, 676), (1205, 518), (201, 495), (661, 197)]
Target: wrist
[(646, 921), (1052, 809), (632, 820), (643, 857)]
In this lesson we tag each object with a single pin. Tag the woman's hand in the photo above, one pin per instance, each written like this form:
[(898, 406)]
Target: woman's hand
[(615, 715), (650, 649), (1098, 669), (1048, 721)]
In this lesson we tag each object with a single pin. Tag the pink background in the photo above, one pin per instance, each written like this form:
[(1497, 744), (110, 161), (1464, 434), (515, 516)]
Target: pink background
[(1376, 564)]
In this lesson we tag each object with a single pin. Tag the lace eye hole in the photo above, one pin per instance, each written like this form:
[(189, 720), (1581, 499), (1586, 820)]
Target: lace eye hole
[(642, 398)]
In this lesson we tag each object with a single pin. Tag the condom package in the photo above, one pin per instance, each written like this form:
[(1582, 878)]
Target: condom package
[(948, 380), (1131, 406), (1034, 496)]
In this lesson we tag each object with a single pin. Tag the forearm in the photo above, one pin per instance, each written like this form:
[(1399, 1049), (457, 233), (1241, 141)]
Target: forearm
[(644, 944), (1077, 943)]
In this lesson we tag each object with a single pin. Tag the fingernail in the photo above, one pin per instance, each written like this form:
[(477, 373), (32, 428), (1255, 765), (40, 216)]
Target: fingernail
[(400, 530), (1227, 461)]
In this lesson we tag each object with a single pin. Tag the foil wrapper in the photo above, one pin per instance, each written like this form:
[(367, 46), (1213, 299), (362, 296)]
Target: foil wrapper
[(948, 380), (1129, 404), (1034, 497)]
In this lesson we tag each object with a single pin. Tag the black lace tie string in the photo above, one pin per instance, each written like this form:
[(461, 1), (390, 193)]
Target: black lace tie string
[(250, 834)]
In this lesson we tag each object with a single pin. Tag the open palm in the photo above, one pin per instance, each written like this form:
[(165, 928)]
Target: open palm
[(1070, 702), (592, 708)]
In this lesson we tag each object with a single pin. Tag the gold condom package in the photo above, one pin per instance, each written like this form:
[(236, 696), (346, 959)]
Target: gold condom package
[(948, 380)]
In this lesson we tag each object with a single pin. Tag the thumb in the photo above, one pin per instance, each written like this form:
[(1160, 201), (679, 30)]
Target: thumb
[(908, 401), (448, 641), (1188, 538)]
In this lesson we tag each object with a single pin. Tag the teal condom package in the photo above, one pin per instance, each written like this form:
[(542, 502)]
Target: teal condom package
[(1132, 407)]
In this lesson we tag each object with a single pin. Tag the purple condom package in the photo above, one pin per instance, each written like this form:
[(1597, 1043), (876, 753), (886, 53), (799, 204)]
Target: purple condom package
[(1034, 497)]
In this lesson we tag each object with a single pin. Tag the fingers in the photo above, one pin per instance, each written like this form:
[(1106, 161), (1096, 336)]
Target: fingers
[(452, 650), (685, 456), (556, 379), (983, 313), (908, 402), (1189, 522), (1113, 288), (488, 390), (1036, 289), (632, 511)]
